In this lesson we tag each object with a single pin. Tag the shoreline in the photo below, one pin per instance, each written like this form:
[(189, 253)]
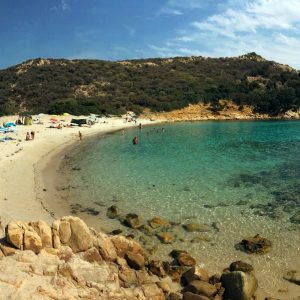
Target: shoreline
[(20, 159)]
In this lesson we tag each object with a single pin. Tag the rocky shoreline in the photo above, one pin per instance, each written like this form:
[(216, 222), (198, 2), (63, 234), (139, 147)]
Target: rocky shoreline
[(69, 260)]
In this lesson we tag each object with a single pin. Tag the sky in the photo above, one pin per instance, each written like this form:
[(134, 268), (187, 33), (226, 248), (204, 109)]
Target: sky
[(129, 29)]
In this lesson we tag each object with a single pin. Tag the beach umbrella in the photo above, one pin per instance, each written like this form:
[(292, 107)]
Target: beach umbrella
[(66, 114), (53, 120), (9, 124)]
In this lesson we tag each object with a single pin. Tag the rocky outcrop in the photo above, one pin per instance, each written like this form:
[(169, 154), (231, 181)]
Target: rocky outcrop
[(73, 232), (69, 260)]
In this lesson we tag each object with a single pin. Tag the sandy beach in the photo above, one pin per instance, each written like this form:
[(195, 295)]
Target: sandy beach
[(18, 160)]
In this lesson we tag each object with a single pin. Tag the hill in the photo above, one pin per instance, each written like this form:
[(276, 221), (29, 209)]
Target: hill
[(105, 87)]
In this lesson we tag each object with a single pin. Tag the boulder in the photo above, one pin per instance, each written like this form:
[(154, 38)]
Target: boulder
[(239, 285), (240, 266), (44, 231), (174, 296), (192, 296), (113, 212), (152, 291), (124, 245), (64, 232), (293, 276), (201, 288), (135, 260), (186, 260), (32, 241), (164, 286), (106, 247), (14, 232), (91, 255), (175, 253), (156, 268), (7, 250), (72, 232), (158, 222), (192, 227), (256, 244), (132, 221), (166, 238), (194, 273)]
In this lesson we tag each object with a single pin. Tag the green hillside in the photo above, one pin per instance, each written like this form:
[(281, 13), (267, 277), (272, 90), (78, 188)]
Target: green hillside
[(104, 87)]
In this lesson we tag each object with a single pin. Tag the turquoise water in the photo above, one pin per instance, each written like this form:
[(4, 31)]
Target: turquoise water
[(187, 167), (243, 177)]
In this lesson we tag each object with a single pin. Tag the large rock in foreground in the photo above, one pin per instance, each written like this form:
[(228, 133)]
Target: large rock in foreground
[(239, 285), (80, 264), (73, 232)]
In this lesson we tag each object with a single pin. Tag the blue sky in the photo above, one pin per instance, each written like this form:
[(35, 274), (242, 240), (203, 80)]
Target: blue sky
[(127, 29)]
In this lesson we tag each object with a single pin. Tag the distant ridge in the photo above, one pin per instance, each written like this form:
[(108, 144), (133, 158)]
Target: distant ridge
[(160, 84)]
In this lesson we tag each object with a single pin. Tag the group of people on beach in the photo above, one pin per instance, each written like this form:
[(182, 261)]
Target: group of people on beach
[(30, 136)]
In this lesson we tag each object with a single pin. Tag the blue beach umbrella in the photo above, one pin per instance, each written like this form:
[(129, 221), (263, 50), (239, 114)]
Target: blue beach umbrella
[(9, 124)]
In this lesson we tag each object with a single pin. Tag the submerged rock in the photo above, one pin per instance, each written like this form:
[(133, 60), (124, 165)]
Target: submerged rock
[(201, 238), (192, 227), (158, 222), (186, 260), (256, 244), (293, 276), (132, 221), (296, 218), (166, 238), (113, 212)]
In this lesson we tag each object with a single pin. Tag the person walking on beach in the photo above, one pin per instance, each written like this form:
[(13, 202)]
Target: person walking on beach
[(80, 135), (32, 133), (27, 136), (135, 140)]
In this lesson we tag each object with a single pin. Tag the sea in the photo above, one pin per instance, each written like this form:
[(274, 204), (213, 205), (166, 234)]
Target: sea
[(241, 178)]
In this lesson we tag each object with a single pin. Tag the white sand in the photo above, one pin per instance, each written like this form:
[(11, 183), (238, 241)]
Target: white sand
[(18, 158)]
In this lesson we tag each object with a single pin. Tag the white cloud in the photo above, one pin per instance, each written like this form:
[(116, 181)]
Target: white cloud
[(269, 27), (62, 6), (177, 7), (169, 11)]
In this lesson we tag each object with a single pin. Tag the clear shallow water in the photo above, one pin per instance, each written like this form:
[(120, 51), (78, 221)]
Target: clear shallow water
[(242, 175), (189, 165)]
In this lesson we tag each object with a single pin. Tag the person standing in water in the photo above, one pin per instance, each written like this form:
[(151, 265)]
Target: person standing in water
[(135, 140), (140, 126)]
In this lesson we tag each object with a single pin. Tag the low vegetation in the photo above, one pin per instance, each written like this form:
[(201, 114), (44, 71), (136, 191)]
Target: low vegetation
[(104, 87)]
